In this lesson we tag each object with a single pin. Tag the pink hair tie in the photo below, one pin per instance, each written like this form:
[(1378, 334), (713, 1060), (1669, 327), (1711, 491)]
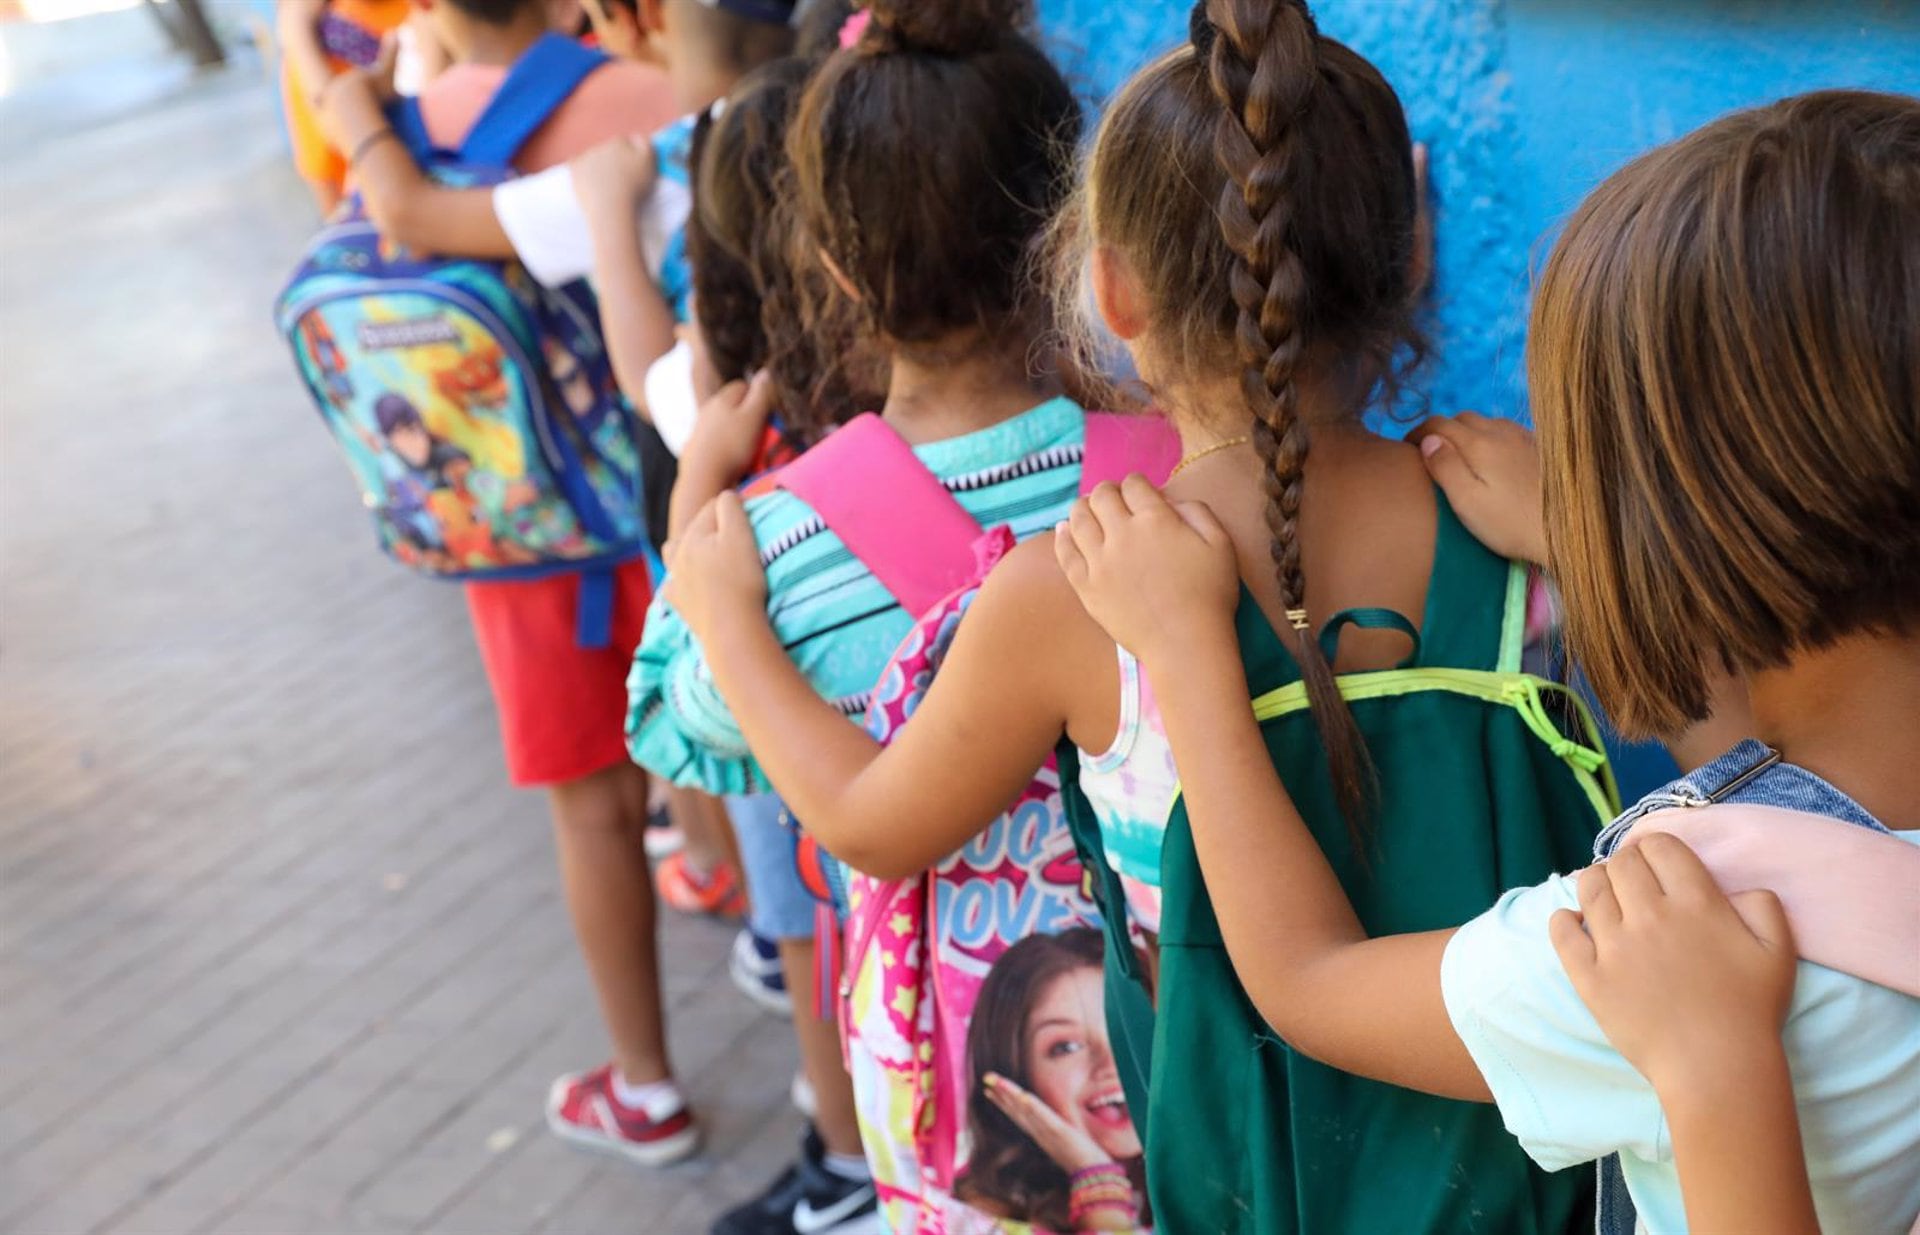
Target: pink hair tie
[(856, 26)]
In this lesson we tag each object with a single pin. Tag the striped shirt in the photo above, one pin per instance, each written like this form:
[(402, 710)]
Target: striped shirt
[(828, 611)]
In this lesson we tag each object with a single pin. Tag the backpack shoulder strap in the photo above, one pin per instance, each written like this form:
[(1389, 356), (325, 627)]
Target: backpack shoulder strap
[(869, 487), (1847, 889), (410, 126), (539, 81), (1118, 446), (1461, 629)]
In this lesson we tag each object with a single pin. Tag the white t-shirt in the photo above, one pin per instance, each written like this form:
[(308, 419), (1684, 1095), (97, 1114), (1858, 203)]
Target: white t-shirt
[(1568, 1097), (543, 218), (671, 403)]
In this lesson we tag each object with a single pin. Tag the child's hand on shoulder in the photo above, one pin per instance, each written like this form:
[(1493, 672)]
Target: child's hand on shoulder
[(1161, 579), (612, 178), (714, 571), (1689, 986), (1490, 471), (727, 436)]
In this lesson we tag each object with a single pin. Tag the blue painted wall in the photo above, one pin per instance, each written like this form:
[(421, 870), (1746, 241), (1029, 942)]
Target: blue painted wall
[(1526, 105)]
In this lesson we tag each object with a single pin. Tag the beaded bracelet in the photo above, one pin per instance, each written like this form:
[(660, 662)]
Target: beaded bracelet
[(1080, 1214), (1100, 1170), (1104, 1188)]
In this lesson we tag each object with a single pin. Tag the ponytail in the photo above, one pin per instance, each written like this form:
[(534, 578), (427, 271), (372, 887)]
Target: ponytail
[(927, 159)]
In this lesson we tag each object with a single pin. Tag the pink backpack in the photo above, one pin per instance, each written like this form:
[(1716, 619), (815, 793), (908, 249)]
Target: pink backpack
[(1852, 895), (1004, 927)]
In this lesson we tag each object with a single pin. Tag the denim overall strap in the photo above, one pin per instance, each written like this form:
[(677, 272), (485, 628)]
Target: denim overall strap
[(1713, 782)]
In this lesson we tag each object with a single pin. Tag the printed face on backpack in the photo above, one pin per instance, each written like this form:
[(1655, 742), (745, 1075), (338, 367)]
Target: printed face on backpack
[(411, 443), (1070, 1062)]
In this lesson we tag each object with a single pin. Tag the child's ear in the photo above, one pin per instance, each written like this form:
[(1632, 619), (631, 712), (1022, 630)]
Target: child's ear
[(1117, 294)]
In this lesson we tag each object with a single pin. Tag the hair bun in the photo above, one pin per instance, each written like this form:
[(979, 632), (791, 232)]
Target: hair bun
[(946, 27)]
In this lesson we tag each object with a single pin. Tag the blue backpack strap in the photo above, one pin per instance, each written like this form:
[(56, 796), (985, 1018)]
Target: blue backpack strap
[(539, 81), (410, 126)]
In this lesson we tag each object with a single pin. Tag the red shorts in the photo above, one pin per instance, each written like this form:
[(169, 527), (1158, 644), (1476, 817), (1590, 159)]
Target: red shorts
[(563, 708)]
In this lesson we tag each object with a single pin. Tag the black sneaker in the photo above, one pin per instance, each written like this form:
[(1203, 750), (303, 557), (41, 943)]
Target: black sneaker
[(807, 1199)]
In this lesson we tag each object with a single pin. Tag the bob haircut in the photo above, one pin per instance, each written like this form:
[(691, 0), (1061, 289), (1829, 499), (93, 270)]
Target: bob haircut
[(1724, 362)]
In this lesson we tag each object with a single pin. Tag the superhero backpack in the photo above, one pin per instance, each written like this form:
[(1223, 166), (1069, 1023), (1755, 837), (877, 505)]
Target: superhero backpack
[(476, 409), (992, 929)]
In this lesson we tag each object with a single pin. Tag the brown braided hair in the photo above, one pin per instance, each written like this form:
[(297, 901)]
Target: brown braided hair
[(1259, 185)]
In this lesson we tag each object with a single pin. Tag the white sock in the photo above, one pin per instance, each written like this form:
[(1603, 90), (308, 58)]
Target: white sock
[(655, 1099), (847, 1166)]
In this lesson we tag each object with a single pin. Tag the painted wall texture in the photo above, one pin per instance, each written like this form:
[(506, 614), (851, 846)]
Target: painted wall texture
[(1526, 104)]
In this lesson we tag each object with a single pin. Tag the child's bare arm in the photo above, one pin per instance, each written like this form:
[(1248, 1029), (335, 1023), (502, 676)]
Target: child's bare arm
[(611, 180), (986, 725), (1372, 1007), (407, 207), (297, 28), (1693, 989)]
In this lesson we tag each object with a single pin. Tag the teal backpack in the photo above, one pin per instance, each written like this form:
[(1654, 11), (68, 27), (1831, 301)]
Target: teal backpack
[(1482, 788)]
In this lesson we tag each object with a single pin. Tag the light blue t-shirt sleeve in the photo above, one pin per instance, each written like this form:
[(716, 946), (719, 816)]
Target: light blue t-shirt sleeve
[(1564, 1093)]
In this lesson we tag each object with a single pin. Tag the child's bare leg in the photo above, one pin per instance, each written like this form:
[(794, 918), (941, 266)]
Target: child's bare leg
[(599, 826), (820, 1057)]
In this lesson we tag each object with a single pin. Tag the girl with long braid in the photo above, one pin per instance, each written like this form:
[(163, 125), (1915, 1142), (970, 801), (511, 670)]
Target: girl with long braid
[(1247, 225)]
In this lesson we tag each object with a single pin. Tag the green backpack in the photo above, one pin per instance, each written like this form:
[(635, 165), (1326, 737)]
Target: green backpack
[(1479, 791)]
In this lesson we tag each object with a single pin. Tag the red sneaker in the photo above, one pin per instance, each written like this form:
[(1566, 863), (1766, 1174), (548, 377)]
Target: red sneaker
[(718, 892), (582, 1108)]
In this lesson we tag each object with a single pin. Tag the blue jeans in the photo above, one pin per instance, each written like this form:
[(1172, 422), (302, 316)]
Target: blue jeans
[(781, 906)]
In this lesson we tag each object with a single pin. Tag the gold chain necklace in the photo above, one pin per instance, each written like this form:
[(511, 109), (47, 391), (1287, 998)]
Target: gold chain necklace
[(1297, 618), (1214, 449)]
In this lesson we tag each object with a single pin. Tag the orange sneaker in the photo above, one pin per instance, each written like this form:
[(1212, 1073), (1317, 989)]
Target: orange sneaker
[(718, 892)]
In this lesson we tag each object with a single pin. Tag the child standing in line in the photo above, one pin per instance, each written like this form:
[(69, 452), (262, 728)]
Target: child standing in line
[(1250, 216), (1723, 368), (543, 221), (926, 160), (559, 704), (319, 38), (748, 325)]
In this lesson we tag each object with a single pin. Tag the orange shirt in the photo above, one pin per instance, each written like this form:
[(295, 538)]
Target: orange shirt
[(615, 100), (312, 156)]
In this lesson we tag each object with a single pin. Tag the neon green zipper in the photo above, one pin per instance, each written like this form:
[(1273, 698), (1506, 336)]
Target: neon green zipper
[(1520, 691)]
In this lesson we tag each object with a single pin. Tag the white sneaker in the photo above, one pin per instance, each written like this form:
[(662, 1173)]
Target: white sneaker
[(754, 966)]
